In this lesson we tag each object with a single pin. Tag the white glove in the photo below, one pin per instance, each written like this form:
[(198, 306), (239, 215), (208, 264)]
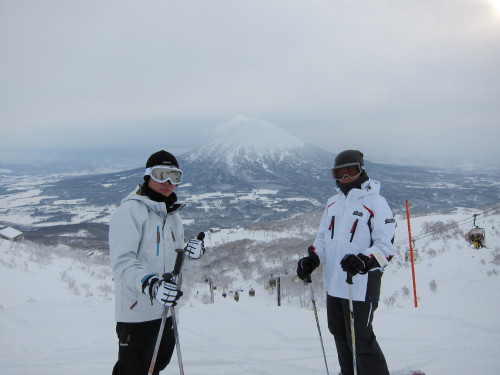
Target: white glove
[(164, 291), (195, 249)]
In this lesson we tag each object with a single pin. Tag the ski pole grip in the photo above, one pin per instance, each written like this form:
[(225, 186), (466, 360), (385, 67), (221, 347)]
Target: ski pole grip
[(349, 277), (178, 261), (308, 280), (168, 276)]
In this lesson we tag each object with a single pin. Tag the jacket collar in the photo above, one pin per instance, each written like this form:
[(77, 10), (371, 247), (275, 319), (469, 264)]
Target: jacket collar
[(368, 187), (159, 207)]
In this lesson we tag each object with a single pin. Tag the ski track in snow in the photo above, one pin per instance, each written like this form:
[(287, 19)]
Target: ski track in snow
[(56, 316)]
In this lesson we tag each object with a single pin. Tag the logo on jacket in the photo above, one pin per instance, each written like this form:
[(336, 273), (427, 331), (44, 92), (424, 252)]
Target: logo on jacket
[(357, 213), (389, 221)]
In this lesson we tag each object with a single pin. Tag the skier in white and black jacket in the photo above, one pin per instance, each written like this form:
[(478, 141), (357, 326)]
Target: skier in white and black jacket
[(144, 233), (356, 235)]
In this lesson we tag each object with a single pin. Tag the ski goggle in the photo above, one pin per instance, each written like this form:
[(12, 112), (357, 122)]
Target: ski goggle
[(162, 174), (348, 170)]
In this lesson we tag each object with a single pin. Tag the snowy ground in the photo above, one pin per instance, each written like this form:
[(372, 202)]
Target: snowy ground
[(56, 315)]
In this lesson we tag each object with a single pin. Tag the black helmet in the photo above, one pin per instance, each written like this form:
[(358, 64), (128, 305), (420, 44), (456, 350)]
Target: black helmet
[(349, 157)]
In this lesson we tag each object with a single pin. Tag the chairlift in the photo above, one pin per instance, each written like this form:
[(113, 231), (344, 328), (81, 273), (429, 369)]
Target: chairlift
[(476, 235), (408, 253)]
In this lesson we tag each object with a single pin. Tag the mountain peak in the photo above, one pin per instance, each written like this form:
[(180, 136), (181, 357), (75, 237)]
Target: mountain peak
[(253, 139)]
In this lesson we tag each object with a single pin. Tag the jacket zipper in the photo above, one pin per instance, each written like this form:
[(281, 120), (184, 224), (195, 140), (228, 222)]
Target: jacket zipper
[(157, 240)]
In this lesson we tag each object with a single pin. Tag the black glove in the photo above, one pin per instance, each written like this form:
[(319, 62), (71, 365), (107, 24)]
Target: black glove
[(307, 265), (358, 263)]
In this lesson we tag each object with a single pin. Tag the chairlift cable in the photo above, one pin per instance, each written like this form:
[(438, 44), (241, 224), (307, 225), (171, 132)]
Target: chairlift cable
[(450, 226)]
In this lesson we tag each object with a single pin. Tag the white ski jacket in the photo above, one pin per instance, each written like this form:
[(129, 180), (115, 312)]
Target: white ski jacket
[(142, 241), (361, 222)]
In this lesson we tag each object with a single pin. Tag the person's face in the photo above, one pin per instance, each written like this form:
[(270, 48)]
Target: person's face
[(165, 188)]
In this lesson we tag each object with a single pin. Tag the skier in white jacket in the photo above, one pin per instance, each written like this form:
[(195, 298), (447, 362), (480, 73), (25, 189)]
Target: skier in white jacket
[(144, 233), (356, 235)]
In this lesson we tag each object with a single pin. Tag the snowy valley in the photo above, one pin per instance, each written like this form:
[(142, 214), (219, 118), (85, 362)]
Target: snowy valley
[(255, 172)]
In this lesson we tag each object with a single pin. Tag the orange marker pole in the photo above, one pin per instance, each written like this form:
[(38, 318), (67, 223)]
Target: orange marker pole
[(411, 255)]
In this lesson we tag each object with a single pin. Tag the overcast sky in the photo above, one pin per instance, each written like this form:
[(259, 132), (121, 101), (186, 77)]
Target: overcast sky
[(395, 78)]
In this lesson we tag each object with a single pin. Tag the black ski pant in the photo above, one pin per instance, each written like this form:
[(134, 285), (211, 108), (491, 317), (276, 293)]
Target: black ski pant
[(136, 346), (369, 357)]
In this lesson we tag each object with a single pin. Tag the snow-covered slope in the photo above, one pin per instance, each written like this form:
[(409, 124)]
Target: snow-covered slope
[(56, 306)]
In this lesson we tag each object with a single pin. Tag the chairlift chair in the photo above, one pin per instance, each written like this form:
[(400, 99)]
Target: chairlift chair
[(408, 253), (476, 235)]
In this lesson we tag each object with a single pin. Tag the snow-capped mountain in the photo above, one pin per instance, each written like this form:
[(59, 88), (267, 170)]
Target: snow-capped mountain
[(257, 154), (255, 171), (250, 141)]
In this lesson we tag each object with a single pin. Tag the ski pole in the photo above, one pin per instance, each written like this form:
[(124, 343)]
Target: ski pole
[(319, 329), (169, 276), (158, 341), (180, 255), (176, 276), (351, 314)]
